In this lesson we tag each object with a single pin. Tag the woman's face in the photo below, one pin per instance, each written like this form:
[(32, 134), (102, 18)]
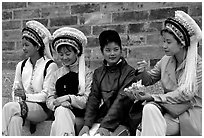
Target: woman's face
[(170, 45), (67, 55), (112, 53), (29, 49)]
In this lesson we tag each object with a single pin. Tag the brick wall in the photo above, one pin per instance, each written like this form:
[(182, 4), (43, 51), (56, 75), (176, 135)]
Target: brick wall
[(138, 23)]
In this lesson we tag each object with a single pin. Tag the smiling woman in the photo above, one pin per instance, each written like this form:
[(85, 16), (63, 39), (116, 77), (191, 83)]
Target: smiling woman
[(70, 84), (30, 86)]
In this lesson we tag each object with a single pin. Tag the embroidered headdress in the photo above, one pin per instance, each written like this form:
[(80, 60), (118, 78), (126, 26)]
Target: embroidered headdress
[(75, 38), (40, 34), (189, 33)]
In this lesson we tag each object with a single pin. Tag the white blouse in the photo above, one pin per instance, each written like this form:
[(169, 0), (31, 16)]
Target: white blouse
[(78, 101), (32, 79)]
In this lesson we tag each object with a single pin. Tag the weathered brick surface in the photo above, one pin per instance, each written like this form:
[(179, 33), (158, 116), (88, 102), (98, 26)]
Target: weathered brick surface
[(9, 25), (39, 4), (55, 11), (6, 15), (144, 52), (165, 13), (62, 21), (8, 46), (27, 14), (13, 5), (95, 18), (11, 35), (98, 29), (130, 16), (85, 8)]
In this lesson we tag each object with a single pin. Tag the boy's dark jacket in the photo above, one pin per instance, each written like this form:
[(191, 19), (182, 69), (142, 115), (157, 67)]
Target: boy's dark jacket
[(108, 84)]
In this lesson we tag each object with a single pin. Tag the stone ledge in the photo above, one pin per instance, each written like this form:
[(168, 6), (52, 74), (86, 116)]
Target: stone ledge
[(42, 129)]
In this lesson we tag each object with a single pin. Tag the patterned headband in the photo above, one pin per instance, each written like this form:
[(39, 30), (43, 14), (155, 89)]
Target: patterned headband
[(179, 30), (66, 41)]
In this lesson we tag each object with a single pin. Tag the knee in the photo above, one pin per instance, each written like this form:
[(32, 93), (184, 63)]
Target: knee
[(16, 119), (61, 110), (149, 108), (11, 106)]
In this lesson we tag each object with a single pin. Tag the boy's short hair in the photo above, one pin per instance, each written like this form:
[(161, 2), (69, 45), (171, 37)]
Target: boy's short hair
[(109, 36)]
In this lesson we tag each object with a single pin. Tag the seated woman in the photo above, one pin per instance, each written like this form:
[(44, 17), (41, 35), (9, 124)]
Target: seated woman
[(30, 86), (104, 111), (70, 84), (180, 74)]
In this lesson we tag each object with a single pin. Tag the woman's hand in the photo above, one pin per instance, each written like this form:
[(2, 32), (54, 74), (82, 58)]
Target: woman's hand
[(20, 93), (142, 65), (61, 99), (84, 131), (103, 132), (144, 96), (66, 104)]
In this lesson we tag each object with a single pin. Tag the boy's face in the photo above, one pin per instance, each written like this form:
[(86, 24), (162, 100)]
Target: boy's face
[(112, 53)]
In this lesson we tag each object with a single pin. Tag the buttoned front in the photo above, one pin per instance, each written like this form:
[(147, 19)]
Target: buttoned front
[(32, 79), (165, 71)]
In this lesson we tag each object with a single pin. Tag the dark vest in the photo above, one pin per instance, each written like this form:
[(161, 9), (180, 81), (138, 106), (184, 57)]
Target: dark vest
[(68, 84)]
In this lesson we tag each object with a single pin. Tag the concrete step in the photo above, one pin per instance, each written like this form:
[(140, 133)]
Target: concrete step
[(42, 129)]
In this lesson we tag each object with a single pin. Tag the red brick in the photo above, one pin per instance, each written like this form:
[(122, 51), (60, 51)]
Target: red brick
[(154, 39), (6, 15), (62, 21), (147, 52), (145, 27), (165, 13), (92, 42), (39, 4), (64, 3), (85, 29), (55, 11), (85, 8), (95, 18), (135, 28), (98, 29), (128, 6), (13, 5), (11, 35), (9, 25), (196, 10), (8, 45), (130, 16), (135, 40), (27, 14)]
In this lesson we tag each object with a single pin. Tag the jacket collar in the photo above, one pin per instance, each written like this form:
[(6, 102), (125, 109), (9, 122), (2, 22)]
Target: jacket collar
[(116, 66)]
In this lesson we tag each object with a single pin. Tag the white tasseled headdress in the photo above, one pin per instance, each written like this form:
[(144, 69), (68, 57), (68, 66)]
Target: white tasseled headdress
[(75, 38), (40, 34), (189, 33)]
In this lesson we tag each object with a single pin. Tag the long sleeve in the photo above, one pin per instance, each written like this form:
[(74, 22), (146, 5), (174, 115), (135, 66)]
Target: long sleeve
[(79, 101), (51, 91), (119, 108), (42, 95), (179, 96), (17, 81), (93, 102)]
